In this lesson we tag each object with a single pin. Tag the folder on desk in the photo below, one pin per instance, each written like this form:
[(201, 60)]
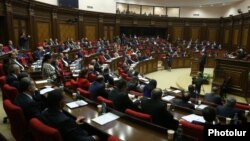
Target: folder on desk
[(193, 117), (202, 106), (167, 98), (176, 91), (76, 104), (46, 90), (41, 81), (106, 118)]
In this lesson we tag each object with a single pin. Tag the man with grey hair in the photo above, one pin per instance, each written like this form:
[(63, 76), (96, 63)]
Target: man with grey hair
[(228, 109), (27, 99), (13, 73)]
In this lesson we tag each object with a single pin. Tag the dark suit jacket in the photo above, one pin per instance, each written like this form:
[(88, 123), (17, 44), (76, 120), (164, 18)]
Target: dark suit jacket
[(159, 114), (211, 97), (68, 128), (30, 107), (12, 80), (181, 103), (226, 111), (121, 100), (108, 78), (97, 89)]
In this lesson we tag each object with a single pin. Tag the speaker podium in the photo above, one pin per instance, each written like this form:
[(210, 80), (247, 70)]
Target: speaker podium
[(194, 66)]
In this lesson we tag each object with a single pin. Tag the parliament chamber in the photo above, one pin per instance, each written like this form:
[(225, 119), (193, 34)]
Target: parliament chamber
[(88, 56)]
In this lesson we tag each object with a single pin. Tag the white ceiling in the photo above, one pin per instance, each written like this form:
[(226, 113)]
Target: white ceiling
[(182, 3)]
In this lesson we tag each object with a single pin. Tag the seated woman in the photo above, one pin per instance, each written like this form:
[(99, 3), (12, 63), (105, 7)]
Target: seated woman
[(48, 70), (148, 88), (183, 102), (82, 80)]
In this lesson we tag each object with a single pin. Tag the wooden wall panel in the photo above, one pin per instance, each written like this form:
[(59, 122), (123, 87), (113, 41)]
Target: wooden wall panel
[(244, 37), (226, 36), (177, 33), (90, 32), (235, 36), (43, 31), (67, 31), (195, 33), (212, 34)]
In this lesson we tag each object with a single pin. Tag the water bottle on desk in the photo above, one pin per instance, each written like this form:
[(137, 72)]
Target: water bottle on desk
[(103, 108), (179, 133), (236, 119)]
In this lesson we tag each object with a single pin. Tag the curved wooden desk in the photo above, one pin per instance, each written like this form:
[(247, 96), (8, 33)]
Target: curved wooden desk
[(146, 66)]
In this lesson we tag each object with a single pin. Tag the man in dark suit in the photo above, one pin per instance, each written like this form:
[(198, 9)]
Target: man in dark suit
[(156, 108), (120, 98), (54, 117), (213, 97), (27, 99), (203, 62), (228, 109), (97, 88), (183, 102), (12, 77)]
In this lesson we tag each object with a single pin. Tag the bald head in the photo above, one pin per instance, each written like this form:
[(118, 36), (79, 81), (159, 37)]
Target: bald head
[(156, 94)]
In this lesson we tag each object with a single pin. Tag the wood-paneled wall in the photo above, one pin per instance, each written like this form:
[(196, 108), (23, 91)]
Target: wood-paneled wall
[(48, 21)]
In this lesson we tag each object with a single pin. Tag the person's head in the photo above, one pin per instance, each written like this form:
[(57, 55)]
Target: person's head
[(55, 99), (93, 62), (14, 69), (100, 79), (190, 88), (209, 114), (83, 73), (121, 85), (230, 102), (22, 75), (156, 94), (152, 84), (185, 96), (27, 85), (47, 58), (14, 54)]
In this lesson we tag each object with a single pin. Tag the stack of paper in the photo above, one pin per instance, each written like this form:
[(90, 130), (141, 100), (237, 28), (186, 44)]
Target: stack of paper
[(41, 81), (193, 117), (167, 98), (76, 104), (202, 106), (46, 90), (176, 91), (108, 117)]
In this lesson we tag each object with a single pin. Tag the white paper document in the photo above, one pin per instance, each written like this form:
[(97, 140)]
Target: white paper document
[(41, 81), (46, 90), (76, 104), (167, 98), (193, 117), (103, 119), (202, 106), (176, 91)]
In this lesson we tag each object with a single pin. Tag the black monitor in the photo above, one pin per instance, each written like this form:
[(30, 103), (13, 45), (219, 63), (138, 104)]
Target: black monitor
[(68, 3)]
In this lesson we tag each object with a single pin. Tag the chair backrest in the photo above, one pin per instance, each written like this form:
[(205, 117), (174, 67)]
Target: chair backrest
[(113, 138), (24, 62), (101, 59), (1, 70), (30, 57), (108, 102), (84, 93), (74, 84), (242, 106), (2, 81), (193, 130), (17, 120), (139, 115), (135, 93), (92, 77), (9, 92), (42, 132)]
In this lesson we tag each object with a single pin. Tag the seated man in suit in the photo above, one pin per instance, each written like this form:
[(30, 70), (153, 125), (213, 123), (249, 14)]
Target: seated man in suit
[(209, 116), (228, 109), (156, 108), (12, 77), (13, 59), (54, 117), (28, 100), (120, 98), (97, 88), (107, 78), (213, 97), (183, 102)]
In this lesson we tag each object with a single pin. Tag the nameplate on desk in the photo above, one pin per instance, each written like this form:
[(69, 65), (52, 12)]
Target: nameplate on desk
[(46, 90), (41, 81), (193, 117), (167, 98), (76, 104), (106, 118)]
